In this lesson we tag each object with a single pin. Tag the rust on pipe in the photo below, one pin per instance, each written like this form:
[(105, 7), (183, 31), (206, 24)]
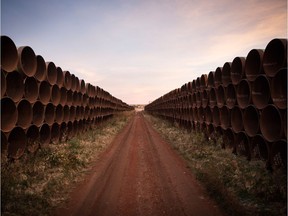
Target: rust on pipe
[(63, 96), (193, 86), (251, 121), (194, 100), (224, 117), (59, 114), (218, 77), (33, 138), (31, 90), (14, 86), (51, 73), (226, 74), (253, 66), (212, 98), (40, 74), (72, 113), (204, 98), (261, 92), (198, 99), (67, 80), (9, 114), (4, 144), (216, 116), (220, 96), (259, 147), (237, 119), (238, 70), (49, 116), (66, 113), (9, 54), (230, 93), (275, 56), (55, 95), (77, 84), (201, 114), (210, 80), (60, 77), (203, 82), (82, 86), (208, 115), (25, 114), (279, 89), (27, 63), (73, 82), (38, 113), (197, 84), (3, 83), (16, 143), (69, 100), (55, 132), (44, 92), (243, 94), (45, 135), (271, 123)]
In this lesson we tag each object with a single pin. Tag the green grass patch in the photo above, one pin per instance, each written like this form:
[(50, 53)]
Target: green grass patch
[(240, 187), (37, 183)]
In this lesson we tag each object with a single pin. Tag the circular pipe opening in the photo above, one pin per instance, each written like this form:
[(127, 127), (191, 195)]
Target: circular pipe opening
[(9, 114), (253, 66), (220, 95), (238, 70), (201, 115), (243, 94), (261, 92), (226, 74), (212, 98), (75, 128), (271, 124), (63, 96), (27, 63), (203, 82), (198, 99), (251, 121), (44, 92), (204, 98), (55, 95), (14, 86), (67, 80), (82, 86), (218, 77), (237, 119), (224, 117), (3, 83), (51, 73), (16, 143), (49, 116), (77, 84), (216, 116), (69, 98), (40, 74), (31, 91), (33, 138), (208, 115), (9, 54), (55, 133), (38, 113), (73, 82), (198, 84), (60, 77), (25, 114), (72, 113), (275, 56), (66, 113), (59, 114), (45, 135), (279, 89), (210, 80), (193, 87), (231, 100)]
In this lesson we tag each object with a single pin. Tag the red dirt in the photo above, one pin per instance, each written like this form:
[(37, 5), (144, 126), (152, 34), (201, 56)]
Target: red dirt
[(140, 174)]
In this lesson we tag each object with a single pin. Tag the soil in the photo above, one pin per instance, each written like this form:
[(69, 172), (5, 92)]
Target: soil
[(139, 174)]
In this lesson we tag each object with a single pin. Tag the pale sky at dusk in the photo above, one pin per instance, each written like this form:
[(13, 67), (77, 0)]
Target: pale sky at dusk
[(139, 50)]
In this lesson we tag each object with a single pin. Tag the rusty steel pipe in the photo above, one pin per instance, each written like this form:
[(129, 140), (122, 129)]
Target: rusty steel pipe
[(251, 121), (208, 115), (201, 114), (38, 113), (66, 113), (27, 63), (198, 99), (259, 147), (14, 86), (82, 86), (271, 123), (275, 56), (224, 117), (3, 83), (45, 135), (44, 92), (243, 94), (261, 92), (210, 80), (279, 89), (67, 80), (51, 73), (59, 114), (216, 116), (33, 138), (220, 96), (55, 95), (40, 74), (9, 114), (226, 74), (16, 143), (238, 70), (60, 77), (31, 90), (212, 98), (230, 93), (218, 77), (63, 96), (69, 100), (72, 113), (9, 54), (75, 101), (49, 116), (193, 87), (237, 119), (197, 84), (25, 114), (204, 98), (4, 144), (73, 82), (55, 132), (203, 82), (253, 66), (77, 84)]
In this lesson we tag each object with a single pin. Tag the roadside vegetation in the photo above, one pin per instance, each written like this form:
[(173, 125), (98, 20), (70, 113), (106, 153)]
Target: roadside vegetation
[(239, 186), (37, 183)]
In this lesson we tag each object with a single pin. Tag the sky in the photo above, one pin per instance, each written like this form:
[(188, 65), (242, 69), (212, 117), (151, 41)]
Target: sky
[(139, 50)]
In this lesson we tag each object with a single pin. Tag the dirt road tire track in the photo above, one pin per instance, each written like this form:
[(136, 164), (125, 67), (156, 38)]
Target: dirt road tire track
[(139, 174)]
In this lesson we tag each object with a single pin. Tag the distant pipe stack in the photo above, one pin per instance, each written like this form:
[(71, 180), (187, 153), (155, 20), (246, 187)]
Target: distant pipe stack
[(41, 104), (244, 100)]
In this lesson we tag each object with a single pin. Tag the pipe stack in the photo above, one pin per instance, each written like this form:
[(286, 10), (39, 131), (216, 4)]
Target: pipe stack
[(245, 101), (41, 104)]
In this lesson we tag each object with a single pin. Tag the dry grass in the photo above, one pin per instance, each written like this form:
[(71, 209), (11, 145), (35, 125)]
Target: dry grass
[(37, 183), (240, 187)]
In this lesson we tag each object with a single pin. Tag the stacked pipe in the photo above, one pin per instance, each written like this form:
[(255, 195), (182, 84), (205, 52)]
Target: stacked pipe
[(245, 101), (40, 103)]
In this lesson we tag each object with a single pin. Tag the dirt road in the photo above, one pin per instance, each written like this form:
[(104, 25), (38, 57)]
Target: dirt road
[(139, 174)]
